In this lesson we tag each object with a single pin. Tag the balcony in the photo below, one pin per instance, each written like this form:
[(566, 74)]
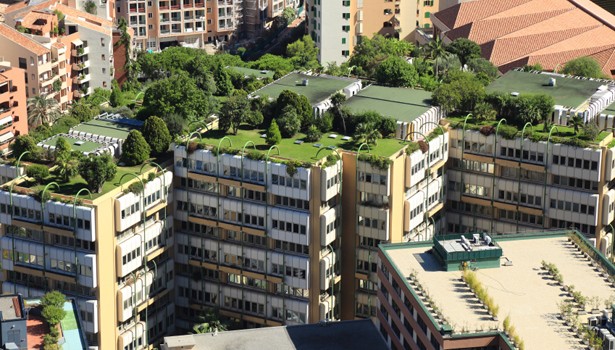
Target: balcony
[(81, 66), (81, 79), (80, 51)]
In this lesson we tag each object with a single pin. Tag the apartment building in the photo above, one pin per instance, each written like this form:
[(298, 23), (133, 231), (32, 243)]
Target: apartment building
[(337, 26), (257, 237), (110, 251), (87, 39), (13, 107), (426, 302), (44, 62)]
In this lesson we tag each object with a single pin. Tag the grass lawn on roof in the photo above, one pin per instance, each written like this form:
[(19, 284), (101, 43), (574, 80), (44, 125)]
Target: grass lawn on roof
[(86, 146), (304, 152), (318, 89), (76, 183), (567, 92), (105, 128), (399, 103), (253, 72)]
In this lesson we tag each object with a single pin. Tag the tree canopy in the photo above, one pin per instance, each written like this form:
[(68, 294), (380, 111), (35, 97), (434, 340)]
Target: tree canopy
[(460, 92), (369, 53), (299, 103), (135, 149), (395, 71), (303, 53), (234, 112), (465, 49), (583, 67), (156, 134), (95, 170)]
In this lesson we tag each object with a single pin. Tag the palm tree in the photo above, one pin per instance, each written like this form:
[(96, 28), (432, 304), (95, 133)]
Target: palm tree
[(368, 133), (209, 323), (337, 100), (576, 123), (42, 110), (434, 50)]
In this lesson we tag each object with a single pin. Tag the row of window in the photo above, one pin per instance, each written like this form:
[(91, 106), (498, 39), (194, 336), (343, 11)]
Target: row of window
[(373, 178), (291, 247), (288, 182), (530, 156), (576, 162), (417, 167), (289, 227), (130, 256), (575, 183), (289, 271), (197, 252), (521, 217), (371, 223), (292, 202), (133, 208), (586, 229), (573, 207), (523, 198)]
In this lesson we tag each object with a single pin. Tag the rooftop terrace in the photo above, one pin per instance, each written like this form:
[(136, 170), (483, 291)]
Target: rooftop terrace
[(522, 289), (569, 92), (296, 148), (75, 143), (319, 88), (107, 128), (399, 103), (10, 307), (252, 72)]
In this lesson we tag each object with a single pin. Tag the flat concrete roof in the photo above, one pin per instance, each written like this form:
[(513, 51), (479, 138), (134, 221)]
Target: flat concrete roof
[(401, 104), (359, 334), (568, 92), (8, 304), (522, 290), (319, 88)]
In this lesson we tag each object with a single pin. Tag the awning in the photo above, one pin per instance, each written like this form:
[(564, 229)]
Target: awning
[(4, 138), (77, 42), (6, 120)]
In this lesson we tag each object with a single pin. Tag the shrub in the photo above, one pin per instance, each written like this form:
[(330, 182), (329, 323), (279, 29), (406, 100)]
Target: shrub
[(136, 187), (288, 122), (53, 314), (254, 118), (312, 134), (53, 298), (38, 172), (387, 126), (273, 134), (156, 134)]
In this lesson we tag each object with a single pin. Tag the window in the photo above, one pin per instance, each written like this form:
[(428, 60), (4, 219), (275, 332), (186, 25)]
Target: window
[(427, 14)]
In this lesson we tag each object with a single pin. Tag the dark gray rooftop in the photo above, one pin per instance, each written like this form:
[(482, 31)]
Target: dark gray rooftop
[(359, 334), (10, 307)]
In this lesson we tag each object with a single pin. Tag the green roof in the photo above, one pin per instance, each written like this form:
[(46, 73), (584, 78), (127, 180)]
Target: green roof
[(105, 128), (252, 72), (84, 146), (319, 88), (399, 103), (610, 110), (567, 92), (304, 152)]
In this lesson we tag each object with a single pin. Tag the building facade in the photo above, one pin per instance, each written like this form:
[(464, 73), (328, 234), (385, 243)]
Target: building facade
[(113, 254), (13, 107), (263, 248)]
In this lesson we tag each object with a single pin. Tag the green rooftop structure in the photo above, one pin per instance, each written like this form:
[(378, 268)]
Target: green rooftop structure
[(248, 72), (457, 251), (399, 103), (317, 88), (104, 128), (567, 91), (76, 144)]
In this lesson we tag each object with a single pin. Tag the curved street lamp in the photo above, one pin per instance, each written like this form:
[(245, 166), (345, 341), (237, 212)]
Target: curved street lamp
[(427, 177), (11, 200), (75, 228), (495, 149), (544, 193)]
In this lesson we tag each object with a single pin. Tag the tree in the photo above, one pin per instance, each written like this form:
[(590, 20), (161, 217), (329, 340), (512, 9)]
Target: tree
[(224, 85), (90, 7), (62, 149), (175, 124), (387, 127), (42, 109), (583, 67), (288, 122), (84, 111), (367, 133), (116, 98), (95, 170), (209, 322), (484, 111), (576, 122), (273, 134), (337, 101), (299, 103), (98, 97), (38, 172), (590, 131), (465, 49), (395, 71), (435, 50), (479, 65), (53, 298), (368, 54), (178, 94), (280, 65), (531, 67), (233, 112), (460, 91), (303, 53), (289, 15), (313, 134), (66, 165), (135, 149), (23, 143), (254, 119), (157, 134), (53, 314)]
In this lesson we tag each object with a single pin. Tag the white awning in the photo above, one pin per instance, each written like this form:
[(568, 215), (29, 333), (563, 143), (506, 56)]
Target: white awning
[(6, 120), (77, 42), (4, 138)]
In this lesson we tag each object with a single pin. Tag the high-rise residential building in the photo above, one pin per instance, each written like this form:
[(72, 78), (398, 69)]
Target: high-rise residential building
[(111, 251), (504, 183), (337, 26), (87, 42), (13, 107)]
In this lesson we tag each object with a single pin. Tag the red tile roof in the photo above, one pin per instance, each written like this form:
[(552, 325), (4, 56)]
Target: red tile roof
[(23, 40), (549, 32)]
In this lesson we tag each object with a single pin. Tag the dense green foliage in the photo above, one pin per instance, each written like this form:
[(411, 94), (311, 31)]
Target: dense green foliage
[(273, 134), (233, 112), (25, 143), (395, 71), (38, 172), (583, 67), (135, 149), (156, 134), (465, 49), (96, 170)]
